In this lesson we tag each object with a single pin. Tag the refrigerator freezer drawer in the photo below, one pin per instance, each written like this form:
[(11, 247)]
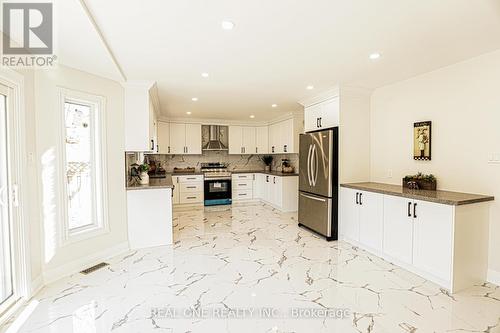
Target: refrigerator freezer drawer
[(315, 213)]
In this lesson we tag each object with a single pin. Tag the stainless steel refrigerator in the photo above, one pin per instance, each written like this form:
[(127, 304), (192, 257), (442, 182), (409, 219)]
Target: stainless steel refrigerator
[(319, 182)]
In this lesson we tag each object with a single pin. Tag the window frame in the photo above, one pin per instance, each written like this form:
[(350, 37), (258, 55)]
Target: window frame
[(99, 167)]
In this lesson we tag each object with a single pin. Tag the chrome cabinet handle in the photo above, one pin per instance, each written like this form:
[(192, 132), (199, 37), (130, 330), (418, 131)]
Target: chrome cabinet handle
[(415, 210), (357, 198), (409, 209), (360, 199), (313, 198)]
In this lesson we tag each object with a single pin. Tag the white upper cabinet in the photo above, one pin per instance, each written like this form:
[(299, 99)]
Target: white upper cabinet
[(185, 139), (141, 113), (235, 140), (262, 140), (248, 140), (163, 137), (284, 136), (325, 114)]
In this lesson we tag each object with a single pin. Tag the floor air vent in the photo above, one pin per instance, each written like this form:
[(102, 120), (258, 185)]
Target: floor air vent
[(94, 268)]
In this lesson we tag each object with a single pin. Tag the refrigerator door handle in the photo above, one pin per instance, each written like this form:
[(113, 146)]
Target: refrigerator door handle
[(309, 165), (314, 165), (312, 198)]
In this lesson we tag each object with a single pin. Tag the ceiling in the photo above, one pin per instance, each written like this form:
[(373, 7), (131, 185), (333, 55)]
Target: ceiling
[(276, 49)]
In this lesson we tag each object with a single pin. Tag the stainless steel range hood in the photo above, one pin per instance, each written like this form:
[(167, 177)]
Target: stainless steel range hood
[(214, 138)]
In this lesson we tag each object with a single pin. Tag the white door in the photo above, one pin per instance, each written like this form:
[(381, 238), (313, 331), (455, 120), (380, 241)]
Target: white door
[(248, 140), (262, 140), (193, 139), (330, 113), (266, 188), (398, 228), (274, 133), (8, 287), (432, 238), (371, 219), (235, 140), (177, 138), (349, 214), (277, 191), (287, 136), (311, 115), (163, 138)]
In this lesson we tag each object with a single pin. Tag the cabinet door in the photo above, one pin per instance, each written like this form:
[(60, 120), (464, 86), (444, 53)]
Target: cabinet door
[(349, 214), (193, 139), (177, 138), (286, 131), (235, 140), (432, 238), (248, 140), (398, 228), (274, 138), (277, 191), (330, 113), (176, 190), (163, 137), (262, 140), (371, 219), (311, 115), (266, 188)]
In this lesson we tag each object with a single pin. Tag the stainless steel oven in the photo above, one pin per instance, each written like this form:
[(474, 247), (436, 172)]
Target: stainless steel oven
[(217, 187), (217, 191)]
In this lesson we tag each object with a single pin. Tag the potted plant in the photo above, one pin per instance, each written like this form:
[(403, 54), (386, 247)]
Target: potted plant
[(268, 161), (420, 181), (143, 176)]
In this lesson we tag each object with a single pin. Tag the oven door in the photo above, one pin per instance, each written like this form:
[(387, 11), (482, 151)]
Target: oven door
[(217, 192)]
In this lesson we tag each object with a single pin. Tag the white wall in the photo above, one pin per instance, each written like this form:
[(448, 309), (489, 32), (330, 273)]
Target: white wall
[(56, 259), (463, 103)]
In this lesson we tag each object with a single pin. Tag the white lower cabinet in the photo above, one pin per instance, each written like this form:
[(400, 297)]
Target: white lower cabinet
[(188, 190), (242, 186), (442, 243), (279, 192), (361, 217)]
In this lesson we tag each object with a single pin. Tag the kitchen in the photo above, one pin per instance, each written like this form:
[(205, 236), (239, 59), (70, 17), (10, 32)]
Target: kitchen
[(254, 167)]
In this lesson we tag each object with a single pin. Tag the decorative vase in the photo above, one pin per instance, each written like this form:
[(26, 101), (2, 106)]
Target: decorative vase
[(268, 168), (144, 178)]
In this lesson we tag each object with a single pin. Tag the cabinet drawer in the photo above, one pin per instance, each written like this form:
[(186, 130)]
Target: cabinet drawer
[(194, 178), (242, 195), (191, 187), (239, 176), (242, 185), (191, 198)]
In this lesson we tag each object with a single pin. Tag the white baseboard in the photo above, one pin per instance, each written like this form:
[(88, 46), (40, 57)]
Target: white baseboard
[(75, 266), (493, 277), (36, 286)]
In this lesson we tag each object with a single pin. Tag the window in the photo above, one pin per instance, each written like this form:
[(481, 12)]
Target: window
[(84, 165)]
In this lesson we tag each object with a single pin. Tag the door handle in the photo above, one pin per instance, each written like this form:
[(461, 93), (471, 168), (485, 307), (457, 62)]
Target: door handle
[(312, 198), (309, 165), (284, 148), (317, 122), (272, 149), (153, 145), (409, 209), (357, 198), (361, 199), (274, 180), (320, 120), (256, 150), (415, 210), (168, 149), (315, 165)]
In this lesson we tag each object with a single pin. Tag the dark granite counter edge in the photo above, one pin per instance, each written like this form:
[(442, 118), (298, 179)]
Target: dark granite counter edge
[(271, 173), (421, 196), (154, 183)]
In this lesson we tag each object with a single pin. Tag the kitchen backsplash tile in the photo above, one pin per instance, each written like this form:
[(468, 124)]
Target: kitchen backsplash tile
[(235, 162)]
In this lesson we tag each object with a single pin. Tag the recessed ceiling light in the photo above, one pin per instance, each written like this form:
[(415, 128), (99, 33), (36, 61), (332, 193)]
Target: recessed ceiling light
[(227, 25), (252, 116), (274, 105), (204, 74), (194, 99), (188, 113), (374, 56), (310, 87)]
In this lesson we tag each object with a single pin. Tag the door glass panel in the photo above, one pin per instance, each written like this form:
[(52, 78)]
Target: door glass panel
[(6, 285), (79, 153)]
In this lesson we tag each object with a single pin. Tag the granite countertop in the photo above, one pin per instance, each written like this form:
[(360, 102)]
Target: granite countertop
[(154, 183), (442, 197), (196, 173), (272, 173)]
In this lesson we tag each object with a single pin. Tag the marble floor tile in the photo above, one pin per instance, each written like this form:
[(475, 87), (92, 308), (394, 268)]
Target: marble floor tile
[(250, 268)]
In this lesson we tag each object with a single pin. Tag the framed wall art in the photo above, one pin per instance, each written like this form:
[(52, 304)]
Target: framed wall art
[(422, 134)]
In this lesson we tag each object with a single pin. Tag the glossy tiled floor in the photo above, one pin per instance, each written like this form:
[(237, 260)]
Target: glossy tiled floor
[(233, 265)]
